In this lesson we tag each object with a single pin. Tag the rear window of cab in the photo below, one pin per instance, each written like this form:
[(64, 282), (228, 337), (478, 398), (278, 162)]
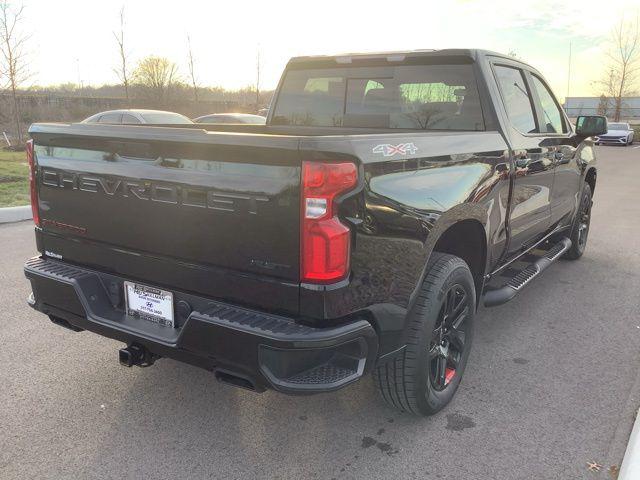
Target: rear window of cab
[(418, 97)]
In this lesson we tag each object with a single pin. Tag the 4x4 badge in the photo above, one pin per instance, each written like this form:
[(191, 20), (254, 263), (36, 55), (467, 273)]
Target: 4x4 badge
[(389, 150)]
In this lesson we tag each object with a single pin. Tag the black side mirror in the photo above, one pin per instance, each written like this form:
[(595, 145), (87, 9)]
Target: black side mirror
[(591, 125)]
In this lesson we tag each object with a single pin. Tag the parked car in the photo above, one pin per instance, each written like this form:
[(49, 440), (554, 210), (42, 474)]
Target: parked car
[(617, 134), (231, 118), (358, 231), (137, 116)]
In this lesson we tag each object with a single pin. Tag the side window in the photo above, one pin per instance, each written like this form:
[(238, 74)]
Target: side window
[(516, 98), (129, 119), (110, 118), (553, 122)]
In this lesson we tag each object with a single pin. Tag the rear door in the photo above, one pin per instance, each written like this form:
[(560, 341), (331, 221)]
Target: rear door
[(530, 216), (559, 145)]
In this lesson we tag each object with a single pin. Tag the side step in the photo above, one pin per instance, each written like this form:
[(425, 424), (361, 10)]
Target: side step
[(509, 290)]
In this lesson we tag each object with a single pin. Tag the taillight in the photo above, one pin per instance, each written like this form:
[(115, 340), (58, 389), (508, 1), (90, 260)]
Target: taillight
[(32, 183), (325, 241)]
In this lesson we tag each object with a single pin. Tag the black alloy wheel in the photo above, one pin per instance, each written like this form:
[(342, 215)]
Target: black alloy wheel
[(448, 338), (581, 223)]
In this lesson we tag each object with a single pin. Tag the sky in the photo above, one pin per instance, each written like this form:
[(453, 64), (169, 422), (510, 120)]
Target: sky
[(72, 40)]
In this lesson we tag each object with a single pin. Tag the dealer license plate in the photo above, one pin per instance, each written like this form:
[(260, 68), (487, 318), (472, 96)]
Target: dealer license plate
[(149, 303)]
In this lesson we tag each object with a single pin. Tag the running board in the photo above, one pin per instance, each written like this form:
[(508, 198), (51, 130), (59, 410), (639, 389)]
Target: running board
[(509, 290)]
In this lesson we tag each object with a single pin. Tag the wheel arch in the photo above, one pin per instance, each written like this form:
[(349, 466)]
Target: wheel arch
[(466, 239)]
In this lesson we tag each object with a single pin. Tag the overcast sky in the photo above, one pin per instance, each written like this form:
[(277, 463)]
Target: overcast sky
[(72, 40)]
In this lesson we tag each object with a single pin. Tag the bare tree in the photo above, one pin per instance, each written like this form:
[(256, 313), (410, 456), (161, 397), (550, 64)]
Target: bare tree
[(158, 75), (13, 64), (192, 72), (603, 105), (608, 88), (624, 65), (258, 79), (123, 69)]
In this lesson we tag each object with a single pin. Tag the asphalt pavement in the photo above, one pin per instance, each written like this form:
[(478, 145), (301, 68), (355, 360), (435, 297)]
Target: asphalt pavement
[(552, 385)]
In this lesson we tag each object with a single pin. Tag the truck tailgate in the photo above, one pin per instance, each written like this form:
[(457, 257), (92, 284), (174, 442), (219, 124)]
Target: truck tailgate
[(213, 213)]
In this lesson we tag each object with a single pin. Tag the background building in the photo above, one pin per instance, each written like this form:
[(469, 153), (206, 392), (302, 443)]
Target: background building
[(575, 106)]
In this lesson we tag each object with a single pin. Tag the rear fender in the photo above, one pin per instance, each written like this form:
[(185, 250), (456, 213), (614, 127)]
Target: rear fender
[(460, 213)]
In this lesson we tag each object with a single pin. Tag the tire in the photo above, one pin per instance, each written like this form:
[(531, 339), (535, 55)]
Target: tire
[(424, 378), (580, 227)]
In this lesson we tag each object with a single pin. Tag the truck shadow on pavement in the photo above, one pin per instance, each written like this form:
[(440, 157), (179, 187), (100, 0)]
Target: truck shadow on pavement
[(183, 412)]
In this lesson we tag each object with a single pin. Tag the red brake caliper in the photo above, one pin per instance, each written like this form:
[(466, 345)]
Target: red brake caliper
[(449, 374)]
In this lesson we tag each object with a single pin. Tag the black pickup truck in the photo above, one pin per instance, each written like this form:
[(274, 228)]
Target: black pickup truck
[(386, 198)]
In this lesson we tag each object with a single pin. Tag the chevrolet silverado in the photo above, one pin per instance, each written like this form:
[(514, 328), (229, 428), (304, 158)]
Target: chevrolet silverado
[(358, 231)]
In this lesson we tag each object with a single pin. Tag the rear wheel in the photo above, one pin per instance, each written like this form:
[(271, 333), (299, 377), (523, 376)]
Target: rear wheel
[(424, 378), (581, 223)]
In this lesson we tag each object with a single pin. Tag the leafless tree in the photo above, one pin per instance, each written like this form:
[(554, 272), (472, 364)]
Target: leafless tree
[(624, 65), (603, 105), (13, 61), (608, 86), (258, 79), (192, 72), (123, 69), (158, 75)]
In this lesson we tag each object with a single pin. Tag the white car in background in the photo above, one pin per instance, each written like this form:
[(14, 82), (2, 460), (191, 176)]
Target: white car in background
[(136, 116), (617, 134)]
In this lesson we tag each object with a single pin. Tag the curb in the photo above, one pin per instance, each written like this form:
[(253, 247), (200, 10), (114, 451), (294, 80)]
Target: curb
[(15, 214), (630, 469)]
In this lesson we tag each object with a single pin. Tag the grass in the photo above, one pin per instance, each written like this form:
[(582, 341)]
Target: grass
[(14, 179)]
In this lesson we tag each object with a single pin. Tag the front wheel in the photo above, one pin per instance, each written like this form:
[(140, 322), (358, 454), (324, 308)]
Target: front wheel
[(581, 223), (424, 378)]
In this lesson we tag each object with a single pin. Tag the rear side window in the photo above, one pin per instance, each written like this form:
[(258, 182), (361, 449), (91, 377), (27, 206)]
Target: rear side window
[(129, 119), (165, 118), (553, 122), (209, 119), (516, 98), (110, 118), (417, 97)]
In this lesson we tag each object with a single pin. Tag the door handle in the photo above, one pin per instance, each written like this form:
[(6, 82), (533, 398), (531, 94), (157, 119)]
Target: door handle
[(560, 158)]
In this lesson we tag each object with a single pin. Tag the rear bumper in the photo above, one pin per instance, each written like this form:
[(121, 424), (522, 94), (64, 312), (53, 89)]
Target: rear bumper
[(255, 349)]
